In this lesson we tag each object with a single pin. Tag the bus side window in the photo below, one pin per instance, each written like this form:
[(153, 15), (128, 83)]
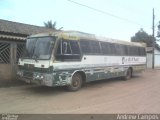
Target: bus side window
[(59, 48), (123, 50), (85, 47), (141, 51), (132, 51), (136, 51), (75, 47), (144, 51), (112, 49), (126, 50), (95, 48), (118, 49), (106, 48), (64, 48), (68, 50)]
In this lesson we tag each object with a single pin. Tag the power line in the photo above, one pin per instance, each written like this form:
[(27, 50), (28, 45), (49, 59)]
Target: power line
[(107, 13)]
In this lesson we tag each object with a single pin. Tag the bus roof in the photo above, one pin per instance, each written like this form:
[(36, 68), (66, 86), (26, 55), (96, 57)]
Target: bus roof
[(76, 35)]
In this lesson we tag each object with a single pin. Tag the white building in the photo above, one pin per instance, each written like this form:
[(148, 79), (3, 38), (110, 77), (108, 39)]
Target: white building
[(156, 57)]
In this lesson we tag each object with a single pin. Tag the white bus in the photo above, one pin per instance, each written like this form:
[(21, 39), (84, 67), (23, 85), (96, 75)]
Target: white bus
[(71, 58)]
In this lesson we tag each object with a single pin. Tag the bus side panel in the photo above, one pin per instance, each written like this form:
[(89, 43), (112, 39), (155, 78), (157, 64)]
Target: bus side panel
[(105, 73)]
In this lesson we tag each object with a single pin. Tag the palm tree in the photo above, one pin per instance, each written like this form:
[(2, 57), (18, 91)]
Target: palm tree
[(51, 25)]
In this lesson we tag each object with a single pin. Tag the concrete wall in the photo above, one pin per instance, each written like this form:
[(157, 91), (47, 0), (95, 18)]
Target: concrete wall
[(5, 72)]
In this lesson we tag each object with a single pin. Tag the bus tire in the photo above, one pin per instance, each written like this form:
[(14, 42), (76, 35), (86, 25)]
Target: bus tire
[(76, 82), (128, 74)]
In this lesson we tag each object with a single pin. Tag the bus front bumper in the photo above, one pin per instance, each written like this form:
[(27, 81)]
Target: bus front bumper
[(45, 79)]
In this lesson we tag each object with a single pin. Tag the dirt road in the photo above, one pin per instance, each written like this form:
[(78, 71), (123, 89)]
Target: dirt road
[(141, 94)]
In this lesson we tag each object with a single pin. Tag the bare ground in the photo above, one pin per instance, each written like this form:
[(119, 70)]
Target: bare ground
[(141, 94)]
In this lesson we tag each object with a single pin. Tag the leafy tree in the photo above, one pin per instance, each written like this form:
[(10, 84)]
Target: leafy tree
[(51, 25), (142, 36), (158, 33)]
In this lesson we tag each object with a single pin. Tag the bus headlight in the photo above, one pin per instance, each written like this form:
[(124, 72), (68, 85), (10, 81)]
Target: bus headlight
[(20, 73), (41, 76), (38, 76)]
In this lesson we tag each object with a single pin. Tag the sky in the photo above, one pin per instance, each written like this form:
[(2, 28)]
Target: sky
[(119, 19)]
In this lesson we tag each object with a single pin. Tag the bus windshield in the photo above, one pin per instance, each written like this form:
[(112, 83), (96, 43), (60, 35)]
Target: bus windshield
[(39, 48)]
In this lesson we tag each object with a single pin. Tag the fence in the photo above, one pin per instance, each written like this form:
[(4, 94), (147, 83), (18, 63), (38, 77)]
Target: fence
[(20, 50), (4, 53), (10, 52)]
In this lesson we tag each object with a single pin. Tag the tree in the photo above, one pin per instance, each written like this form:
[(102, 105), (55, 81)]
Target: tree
[(51, 25), (158, 33), (142, 36)]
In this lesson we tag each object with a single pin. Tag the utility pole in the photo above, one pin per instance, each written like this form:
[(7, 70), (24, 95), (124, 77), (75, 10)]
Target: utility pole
[(153, 42)]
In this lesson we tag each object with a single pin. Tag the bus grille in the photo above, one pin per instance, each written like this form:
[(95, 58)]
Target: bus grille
[(28, 74)]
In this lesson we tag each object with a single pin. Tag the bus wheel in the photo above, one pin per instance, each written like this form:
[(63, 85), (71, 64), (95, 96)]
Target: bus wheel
[(128, 74), (76, 82)]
